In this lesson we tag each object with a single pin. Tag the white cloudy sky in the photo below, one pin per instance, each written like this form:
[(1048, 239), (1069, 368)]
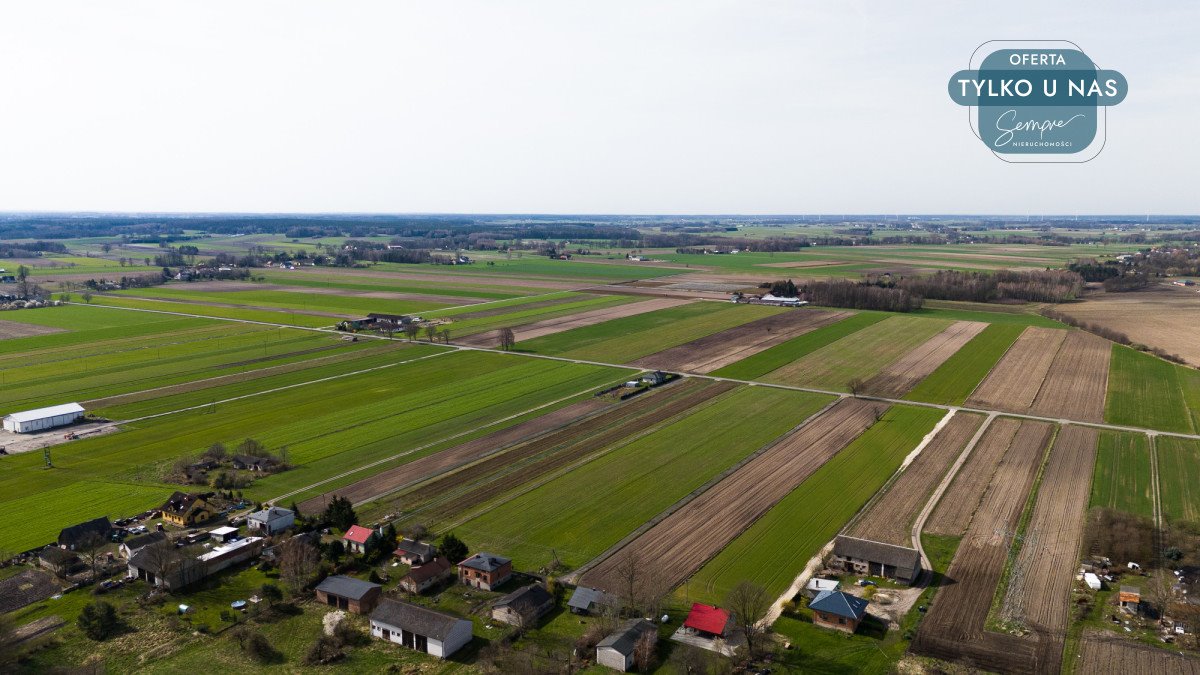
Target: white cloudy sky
[(696, 106)]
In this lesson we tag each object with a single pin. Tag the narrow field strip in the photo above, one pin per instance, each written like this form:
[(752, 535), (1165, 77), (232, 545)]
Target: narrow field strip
[(773, 550), (1015, 381), (754, 367), (953, 381), (1179, 478), (536, 326), (898, 377), (680, 544), (953, 512), (1122, 479)]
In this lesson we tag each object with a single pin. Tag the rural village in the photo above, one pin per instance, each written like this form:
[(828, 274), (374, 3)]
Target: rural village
[(505, 447)]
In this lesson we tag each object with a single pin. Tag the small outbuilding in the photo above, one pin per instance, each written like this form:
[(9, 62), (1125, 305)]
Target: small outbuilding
[(587, 600), (485, 571), (411, 552), (1130, 598), (43, 418), (131, 546), (350, 594), (271, 520), (524, 606), (617, 650), (838, 610), (420, 629)]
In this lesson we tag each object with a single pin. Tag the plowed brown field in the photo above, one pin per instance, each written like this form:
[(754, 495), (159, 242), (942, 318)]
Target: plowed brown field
[(16, 329), (682, 542), (889, 519), (721, 349), (1101, 654), (1017, 378), (550, 326), (953, 512), (903, 374), (1077, 382), (954, 626), (1039, 589)]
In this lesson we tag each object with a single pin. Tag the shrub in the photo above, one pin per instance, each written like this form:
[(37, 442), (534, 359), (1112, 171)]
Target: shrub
[(98, 620)]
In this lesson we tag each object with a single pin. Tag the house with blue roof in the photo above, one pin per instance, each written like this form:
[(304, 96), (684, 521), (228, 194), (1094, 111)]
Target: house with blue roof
[(838, 610)]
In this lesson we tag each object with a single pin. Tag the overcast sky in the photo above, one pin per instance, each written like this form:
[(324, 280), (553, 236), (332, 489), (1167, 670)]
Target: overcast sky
[(567, 107)]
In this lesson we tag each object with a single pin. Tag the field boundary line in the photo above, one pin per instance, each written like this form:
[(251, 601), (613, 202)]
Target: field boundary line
[(938, 492), (866, 397), (499, 449), (426, 446), (504, 499), (1155, 503), (686, 499), (908, 459)]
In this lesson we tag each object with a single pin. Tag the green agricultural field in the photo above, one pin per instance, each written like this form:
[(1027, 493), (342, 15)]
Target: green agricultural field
[(537, 266), (49, 376), (33, 518), (581, 513), (327, 428), (1122, 479), (341, 304), (954, 380), (861, 354), (522, 314), (1146, 391), (632, 337), (81, 318), (1179, 478), (365, 281), (778, 546), (52, 265), (754, 367), (282, 317)]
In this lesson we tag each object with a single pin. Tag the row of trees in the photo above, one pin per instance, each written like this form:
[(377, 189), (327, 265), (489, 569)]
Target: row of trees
[(853, 295)]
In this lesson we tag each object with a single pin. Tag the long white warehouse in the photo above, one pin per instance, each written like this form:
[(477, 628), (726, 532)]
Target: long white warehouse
[(43, 418)]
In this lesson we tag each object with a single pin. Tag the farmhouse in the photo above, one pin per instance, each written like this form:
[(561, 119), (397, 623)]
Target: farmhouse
[(420, 629), (410, 552), (79, 536), (357, 538), (422, 577), (708, 622), (862, 556), (130, 547), (349, 594), (584, 600), (252, 463), (186, 510), (271, 520), (616, 650), (524, 606), (43, 418), (838, 610), (485, 571)]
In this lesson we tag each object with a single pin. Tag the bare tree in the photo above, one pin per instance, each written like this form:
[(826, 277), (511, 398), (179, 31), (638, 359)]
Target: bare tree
[(645, 651), (445, 335), (89, 547), (298, 561), (86, 296), (689, 660), (855, 385), (749, 603), (411, 330), (1160, 591), (628, 572), (507, 339), (430, 332)]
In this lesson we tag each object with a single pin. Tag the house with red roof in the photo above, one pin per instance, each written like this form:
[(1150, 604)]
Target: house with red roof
[(357, 538), (708, 622)]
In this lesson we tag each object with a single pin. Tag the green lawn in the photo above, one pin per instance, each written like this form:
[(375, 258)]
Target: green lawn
[(1146, 391), (954, 380), (831, 652), (861, 354), (632, 337), (1179, 478), (1121, 479), (778, 546), (754, 367), (581, 513)]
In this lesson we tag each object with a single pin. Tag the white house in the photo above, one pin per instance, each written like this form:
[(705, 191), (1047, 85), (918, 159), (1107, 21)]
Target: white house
[(271, 520), (43, 418), (418, 628)]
